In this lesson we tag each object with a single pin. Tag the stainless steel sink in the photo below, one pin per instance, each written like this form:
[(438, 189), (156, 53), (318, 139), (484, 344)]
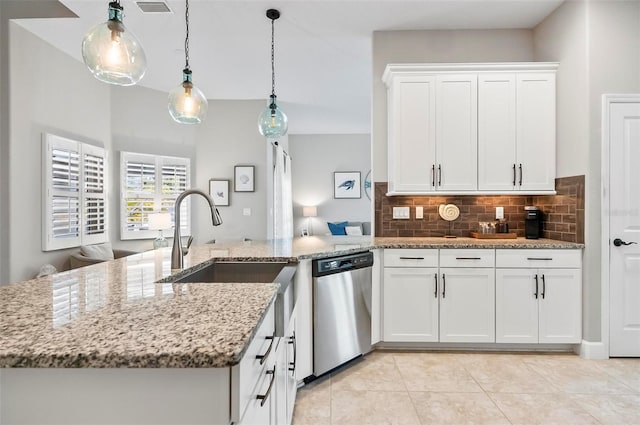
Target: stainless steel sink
[(254, 272), (247, 272)]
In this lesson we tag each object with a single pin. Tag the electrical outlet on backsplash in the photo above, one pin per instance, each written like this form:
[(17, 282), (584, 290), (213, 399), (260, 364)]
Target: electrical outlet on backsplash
[(563, 212)]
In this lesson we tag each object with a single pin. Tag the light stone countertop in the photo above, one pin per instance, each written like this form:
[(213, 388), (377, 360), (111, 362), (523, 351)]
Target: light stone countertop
[(127, 313)]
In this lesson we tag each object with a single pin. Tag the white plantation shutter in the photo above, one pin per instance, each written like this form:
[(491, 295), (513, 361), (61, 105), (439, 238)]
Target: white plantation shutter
[(151, 183), (94, 208), (74, 194)]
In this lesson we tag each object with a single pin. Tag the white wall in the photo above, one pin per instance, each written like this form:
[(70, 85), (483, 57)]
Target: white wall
[(140, 122), (598, 46), (49, 92), (314, 160), (230, 137), (563, 37), (435, 46), (614, 67)]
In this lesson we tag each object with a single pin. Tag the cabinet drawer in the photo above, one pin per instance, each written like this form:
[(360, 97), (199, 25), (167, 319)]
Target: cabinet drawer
[(539, 258), (251, 368), (410, 257), (467, 257)]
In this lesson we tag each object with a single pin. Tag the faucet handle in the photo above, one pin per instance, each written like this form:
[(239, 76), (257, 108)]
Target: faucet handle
[(185, 249)]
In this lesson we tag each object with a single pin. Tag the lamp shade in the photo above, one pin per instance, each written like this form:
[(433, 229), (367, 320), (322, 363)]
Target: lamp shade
[(159, 221), (309, 211)]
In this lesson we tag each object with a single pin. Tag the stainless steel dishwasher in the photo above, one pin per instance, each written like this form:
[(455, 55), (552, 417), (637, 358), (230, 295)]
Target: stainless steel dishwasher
[(341, 310)]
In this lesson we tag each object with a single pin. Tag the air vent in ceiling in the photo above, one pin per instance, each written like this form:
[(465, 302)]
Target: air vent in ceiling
[(153, 7)]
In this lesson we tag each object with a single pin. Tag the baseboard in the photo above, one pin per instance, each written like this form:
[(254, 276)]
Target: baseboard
[(593, 350)]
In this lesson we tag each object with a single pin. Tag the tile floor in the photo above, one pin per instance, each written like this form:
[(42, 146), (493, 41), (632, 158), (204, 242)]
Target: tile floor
[(474, 388)]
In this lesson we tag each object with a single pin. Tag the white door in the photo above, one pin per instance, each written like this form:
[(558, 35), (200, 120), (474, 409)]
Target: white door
[(410, 311), (624, 224), (497, 131), (536, 131), (467, 305), (517, 293), (411, 144), (457, 132), (560, 306)]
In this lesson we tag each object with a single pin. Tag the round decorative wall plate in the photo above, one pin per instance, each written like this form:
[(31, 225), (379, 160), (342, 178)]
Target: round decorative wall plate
[(448, 212)]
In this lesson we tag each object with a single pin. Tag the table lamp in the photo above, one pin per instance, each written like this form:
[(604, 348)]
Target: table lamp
[(309, 212), (160, 221)]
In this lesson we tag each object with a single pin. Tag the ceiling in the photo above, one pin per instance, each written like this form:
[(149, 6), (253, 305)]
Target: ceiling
[(323, 48)]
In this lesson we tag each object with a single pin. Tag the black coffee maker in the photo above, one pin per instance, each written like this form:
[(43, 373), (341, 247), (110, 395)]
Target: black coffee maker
[(532, 223)]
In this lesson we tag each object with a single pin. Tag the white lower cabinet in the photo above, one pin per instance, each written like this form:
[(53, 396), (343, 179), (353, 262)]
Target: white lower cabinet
[(540, 304), (410, 312), (482, 296), (467, 305), (274, 396)]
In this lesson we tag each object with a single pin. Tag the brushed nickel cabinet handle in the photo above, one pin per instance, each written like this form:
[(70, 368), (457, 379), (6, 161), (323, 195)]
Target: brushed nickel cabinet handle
[(263, 357), (265, 396)]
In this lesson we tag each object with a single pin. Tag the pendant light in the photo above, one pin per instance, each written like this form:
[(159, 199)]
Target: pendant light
[(112, 53), (187, 104), (272, 121)]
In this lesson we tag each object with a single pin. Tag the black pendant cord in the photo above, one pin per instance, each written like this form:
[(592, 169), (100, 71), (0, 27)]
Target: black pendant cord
[(273, 67), (186, 40)]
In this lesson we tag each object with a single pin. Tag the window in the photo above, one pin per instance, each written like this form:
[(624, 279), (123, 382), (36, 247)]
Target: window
[(151, 183), (75, 210)]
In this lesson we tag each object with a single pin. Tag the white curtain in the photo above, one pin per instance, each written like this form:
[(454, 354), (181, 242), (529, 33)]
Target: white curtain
[(282, 198)]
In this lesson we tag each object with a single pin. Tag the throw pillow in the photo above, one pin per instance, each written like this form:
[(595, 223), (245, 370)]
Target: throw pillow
[(353, 230), (338, 228), (102, 251)]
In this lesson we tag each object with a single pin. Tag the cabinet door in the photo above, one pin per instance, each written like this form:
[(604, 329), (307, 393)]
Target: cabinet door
[(262, 412), (279, 392), (410, 304), (517, 305), (497, 131), (560, 306), (457, 132), (411, 132), (536, 131), (467, 305)]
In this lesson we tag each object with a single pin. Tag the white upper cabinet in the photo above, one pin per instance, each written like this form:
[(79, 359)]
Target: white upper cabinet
[(471, 128), (456, 132), (536, 131), (413, 98)]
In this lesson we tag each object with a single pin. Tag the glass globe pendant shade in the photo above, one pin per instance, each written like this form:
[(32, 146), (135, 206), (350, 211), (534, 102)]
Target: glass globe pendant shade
[(187, 104), (272, 122), (112, 53)]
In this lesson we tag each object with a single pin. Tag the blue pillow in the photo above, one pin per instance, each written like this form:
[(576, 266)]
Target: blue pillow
[(338, 228)]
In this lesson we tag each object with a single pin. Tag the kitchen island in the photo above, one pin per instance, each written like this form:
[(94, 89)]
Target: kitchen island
[(120, 340)]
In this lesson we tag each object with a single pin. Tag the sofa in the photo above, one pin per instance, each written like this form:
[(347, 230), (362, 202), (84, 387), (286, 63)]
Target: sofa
[(93, 254)]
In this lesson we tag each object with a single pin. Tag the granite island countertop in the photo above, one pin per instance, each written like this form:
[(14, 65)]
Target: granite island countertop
[(114, 314), (127, 313)]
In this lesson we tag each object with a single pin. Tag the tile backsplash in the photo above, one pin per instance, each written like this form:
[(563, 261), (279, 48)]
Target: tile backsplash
[(563, 213)]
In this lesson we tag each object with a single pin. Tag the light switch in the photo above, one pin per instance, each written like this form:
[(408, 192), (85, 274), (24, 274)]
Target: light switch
[(246, 211), (401, 213), (499, 213), (419, 212)]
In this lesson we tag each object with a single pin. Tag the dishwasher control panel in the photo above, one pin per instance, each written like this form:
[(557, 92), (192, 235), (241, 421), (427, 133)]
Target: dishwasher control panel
[(343, 263)]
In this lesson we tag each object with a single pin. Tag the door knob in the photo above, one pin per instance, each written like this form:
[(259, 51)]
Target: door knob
[(620, 242)]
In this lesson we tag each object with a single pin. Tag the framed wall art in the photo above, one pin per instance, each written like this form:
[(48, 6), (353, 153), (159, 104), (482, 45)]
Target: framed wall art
[(219, 192), (346, 185), (244, 178)]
